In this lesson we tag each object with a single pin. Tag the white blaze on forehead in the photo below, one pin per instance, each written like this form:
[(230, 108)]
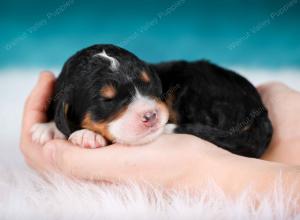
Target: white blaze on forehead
[(114, 64), (142, 100)]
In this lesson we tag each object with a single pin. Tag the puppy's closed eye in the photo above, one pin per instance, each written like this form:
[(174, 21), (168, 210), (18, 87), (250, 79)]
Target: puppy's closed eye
[(108, 92)]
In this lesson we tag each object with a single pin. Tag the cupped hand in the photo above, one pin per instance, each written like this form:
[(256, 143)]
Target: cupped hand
[(171, 161), (166, 161)]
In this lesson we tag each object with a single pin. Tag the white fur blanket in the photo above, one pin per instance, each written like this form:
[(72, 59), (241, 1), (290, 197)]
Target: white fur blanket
[(25, 195)]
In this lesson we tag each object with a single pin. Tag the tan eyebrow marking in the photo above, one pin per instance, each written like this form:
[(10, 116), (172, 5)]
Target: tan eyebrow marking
[(144, 77), (101, 127), (108, 91)]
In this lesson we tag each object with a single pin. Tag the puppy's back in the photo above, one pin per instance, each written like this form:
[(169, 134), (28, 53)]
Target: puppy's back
[(217, 105)]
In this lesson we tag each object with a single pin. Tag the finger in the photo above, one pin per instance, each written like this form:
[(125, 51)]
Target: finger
[(40, 96), (38, 101), (120, 163), (33, 113), (108, 163), (273, 86)]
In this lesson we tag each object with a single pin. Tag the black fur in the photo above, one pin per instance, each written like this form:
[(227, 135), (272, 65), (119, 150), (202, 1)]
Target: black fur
[(212, 103), (217, 105)]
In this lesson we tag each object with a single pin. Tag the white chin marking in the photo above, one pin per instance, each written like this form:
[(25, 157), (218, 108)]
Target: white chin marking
[(44, 132), (114, 64), (169, 128)]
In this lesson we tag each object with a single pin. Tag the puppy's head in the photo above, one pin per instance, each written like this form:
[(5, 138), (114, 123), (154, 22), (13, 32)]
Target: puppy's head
[(124, 97)]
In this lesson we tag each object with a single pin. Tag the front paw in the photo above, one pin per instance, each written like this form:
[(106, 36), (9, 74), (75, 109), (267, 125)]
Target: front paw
[(87, 139), (44, 132)]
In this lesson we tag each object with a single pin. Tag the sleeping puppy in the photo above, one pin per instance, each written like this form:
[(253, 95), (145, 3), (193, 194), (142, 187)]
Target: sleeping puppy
[(106, 94)]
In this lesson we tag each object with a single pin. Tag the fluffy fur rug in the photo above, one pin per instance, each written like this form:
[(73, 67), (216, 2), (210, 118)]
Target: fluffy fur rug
[(25, 195)]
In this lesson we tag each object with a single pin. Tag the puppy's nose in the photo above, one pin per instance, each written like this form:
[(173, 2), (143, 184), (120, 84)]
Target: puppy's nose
[(149, 118)]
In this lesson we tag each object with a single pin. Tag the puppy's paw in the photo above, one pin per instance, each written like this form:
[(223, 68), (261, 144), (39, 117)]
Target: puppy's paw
[(169, 128), (44, 132), (87, 138)]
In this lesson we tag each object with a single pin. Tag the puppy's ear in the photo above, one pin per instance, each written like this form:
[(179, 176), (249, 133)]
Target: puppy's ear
[(63, 119)]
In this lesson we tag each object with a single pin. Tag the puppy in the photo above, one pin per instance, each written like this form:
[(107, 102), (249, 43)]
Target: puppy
[(106, 94)]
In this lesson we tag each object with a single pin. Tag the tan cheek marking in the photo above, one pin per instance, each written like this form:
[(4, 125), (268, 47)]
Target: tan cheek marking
[(144, 77), (101, 127), (108, 91), (173, 115), (163, 107)]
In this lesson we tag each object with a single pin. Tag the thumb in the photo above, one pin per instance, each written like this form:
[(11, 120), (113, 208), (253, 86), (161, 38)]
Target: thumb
[(62, 155)]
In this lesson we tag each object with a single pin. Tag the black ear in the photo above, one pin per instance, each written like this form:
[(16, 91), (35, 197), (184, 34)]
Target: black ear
[(63, 118)]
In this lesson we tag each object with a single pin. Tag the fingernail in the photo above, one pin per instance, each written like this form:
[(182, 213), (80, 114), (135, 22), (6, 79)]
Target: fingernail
[(45, 73)]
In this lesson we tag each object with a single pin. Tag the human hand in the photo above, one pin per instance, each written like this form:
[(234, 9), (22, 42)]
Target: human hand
[(171, 161), (283, 104), (167, 160), (35, 111)]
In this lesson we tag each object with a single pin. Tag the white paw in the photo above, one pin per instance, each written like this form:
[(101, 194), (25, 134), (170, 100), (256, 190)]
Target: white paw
[(43, 132), (87, 138), (169, 128)]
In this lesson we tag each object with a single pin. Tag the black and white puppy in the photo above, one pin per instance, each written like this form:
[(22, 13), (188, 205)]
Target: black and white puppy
[(106, 94)]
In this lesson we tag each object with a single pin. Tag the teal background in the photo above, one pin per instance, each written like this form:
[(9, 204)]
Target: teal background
[(44, 34)]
